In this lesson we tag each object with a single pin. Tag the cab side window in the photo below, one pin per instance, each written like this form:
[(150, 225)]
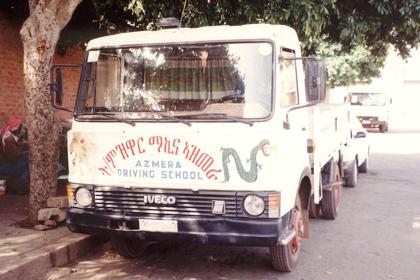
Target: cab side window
[(288, 80)]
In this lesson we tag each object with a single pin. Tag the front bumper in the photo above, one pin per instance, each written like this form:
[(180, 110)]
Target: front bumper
[(207, 230), (368, 122)]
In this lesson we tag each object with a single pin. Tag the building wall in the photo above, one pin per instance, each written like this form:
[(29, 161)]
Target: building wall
[(401, 79), (11, 71)]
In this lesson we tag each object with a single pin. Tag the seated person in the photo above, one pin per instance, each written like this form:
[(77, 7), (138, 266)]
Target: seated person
[(14, 154)]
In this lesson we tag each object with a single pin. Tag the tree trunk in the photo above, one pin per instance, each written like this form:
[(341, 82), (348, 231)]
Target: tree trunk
[(40, 33)]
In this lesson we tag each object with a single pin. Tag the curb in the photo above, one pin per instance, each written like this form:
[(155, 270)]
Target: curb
[(70, 248)]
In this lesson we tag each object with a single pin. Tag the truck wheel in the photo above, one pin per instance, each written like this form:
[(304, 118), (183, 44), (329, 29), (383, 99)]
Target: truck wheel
[(365, 166), (284, 257), (383, 128), (351, 180), (314, 210), (331, 200), (129, 248)]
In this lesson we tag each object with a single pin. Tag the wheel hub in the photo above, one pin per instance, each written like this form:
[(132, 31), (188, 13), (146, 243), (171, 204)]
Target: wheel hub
[(298, 226)]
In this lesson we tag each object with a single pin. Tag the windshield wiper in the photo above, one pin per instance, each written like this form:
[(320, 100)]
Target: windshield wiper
[(220, 115), (110, 116), (161, 114)]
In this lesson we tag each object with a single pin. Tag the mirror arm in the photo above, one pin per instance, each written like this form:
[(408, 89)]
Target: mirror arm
[(286, 123), (62, 108)]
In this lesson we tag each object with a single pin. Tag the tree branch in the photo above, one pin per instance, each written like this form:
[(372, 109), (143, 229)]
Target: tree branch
[(32, 5), (65, 9)]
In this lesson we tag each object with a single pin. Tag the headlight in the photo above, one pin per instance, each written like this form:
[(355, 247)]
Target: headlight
[(83, 197), (253, 205)]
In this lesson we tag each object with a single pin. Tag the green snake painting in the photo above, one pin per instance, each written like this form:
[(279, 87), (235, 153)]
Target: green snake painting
[(250, 175)]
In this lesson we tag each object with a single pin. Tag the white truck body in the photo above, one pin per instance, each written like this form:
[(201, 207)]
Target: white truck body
[(265, 145), (120, 155)]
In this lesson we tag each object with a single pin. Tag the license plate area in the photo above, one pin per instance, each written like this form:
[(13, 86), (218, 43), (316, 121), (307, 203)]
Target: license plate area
[(158, 225)]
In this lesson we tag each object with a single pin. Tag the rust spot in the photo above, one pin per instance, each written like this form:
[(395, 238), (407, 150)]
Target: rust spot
[(42, 47)]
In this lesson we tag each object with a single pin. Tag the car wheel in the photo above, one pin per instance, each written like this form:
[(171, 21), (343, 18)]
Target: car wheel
[(129, 248), (351, 180), (314, 210), (330, 203), (383, 128), (365, 166), (284, 257)]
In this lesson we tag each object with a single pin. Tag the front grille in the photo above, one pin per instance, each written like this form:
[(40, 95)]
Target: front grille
[(130, 201)]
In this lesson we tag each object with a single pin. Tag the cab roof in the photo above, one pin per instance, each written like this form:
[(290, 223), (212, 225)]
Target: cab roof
[(283, 35)]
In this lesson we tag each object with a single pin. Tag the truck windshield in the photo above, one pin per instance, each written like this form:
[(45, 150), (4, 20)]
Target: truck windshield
[(368, 99), (221, 81)]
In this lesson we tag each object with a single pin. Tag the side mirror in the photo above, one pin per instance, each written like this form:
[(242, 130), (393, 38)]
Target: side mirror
[(360, 134), (315, 80), (56, 88), (315, 84)]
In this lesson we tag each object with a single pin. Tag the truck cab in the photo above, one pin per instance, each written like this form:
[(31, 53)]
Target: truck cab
[(372, 109), (208, 135)]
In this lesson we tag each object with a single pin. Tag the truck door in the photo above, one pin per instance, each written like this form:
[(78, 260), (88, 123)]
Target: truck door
[(294, 138)]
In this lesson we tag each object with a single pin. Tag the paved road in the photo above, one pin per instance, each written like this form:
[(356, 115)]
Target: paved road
[(376, 236)]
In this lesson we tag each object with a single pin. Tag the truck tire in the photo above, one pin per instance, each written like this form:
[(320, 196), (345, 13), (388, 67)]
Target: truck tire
[(284, 257), (351, 180), (129, 248), (383, 128), (330, 203), (314, 210), (365, 166)]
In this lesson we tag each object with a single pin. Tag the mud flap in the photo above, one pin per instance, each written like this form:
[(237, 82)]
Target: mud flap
[(305, 217)]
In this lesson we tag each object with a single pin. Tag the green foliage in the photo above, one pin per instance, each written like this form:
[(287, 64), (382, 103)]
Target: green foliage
[(356, 26), (344, 68), (376, 23), (356, 33)]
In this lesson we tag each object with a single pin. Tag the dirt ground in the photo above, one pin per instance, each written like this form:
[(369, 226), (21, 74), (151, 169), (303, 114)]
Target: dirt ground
[(13, 207)]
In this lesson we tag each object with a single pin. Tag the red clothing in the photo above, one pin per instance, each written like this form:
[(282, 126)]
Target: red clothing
[(10, 148), (12, 124)]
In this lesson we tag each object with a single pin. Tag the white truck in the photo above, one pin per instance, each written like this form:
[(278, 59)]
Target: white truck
[(206, 134), (372, 107)]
